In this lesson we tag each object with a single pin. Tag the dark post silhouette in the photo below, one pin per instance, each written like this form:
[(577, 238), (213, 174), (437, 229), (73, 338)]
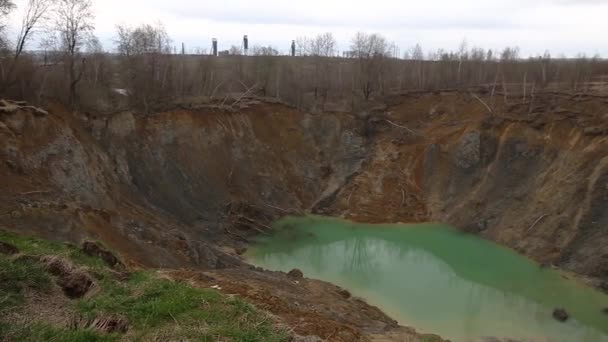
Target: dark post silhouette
[(214, 44)]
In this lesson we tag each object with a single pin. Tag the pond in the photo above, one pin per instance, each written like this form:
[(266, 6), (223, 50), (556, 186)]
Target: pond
[(438, 280)]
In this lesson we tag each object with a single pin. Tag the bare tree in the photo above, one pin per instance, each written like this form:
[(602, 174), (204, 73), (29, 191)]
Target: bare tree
[(323, 45), (34, 13), (145, 62), (74, 23), (418, 57), (462, 56), (371, 51), (264, 51), (235, 50), (95, 51), (6, 6)]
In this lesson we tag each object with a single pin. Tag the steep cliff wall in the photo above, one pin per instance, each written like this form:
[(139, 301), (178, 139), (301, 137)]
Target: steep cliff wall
[(190, 187), (175, 188), (530, 176)]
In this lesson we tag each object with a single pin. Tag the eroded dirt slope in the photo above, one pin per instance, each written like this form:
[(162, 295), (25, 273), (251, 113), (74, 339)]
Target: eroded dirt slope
[(173, 189), (189, 188), (531, 176)]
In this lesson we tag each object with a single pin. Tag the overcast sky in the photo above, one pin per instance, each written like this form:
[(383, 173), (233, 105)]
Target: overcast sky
[(561, 26)]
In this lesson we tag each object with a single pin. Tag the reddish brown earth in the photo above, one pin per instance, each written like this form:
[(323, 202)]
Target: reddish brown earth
[(308, 307), (531, 177), (187, 189)]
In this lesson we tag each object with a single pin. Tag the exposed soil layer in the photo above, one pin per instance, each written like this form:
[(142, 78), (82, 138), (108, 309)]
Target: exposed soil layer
[(310, 307), (532, 176), (189, 188)]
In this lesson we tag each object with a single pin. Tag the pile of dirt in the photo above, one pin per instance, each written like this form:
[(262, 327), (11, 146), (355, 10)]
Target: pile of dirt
[(75, 281)]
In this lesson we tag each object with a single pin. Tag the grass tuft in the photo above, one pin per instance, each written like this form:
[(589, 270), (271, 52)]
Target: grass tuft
[(38, 247)]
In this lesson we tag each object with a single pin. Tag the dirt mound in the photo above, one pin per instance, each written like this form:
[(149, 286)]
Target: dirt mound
[(95, 250), (74, 281)]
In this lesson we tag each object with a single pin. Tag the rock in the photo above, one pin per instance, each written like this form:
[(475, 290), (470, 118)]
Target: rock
[(468, 152), (560, 315), (295, 274), (95, 250), (7, 248), (482, 225)]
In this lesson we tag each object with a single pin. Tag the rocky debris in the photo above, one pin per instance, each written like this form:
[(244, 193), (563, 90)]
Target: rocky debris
[(104, 324), (468, 152), (295, 274), (7, 248), (560, 315), (74, 281), (93, 249)]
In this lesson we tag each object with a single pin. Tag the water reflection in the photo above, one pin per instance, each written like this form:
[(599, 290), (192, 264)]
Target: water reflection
[(439, 281)]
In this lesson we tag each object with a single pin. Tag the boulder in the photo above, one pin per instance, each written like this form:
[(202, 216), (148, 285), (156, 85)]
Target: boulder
[(295, 274), (560, 315), (468, 152)]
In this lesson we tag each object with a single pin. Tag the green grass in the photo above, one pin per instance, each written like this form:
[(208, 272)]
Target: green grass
[(151, 304), (15, 277), (155, 308), (41, 332), (38, 247)]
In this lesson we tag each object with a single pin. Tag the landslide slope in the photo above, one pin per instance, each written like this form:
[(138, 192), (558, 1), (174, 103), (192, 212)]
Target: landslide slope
[(531, 175), (190, 187), (179, 188)]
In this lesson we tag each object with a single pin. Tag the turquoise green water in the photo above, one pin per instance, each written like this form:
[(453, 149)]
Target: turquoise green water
[(438, 280)]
